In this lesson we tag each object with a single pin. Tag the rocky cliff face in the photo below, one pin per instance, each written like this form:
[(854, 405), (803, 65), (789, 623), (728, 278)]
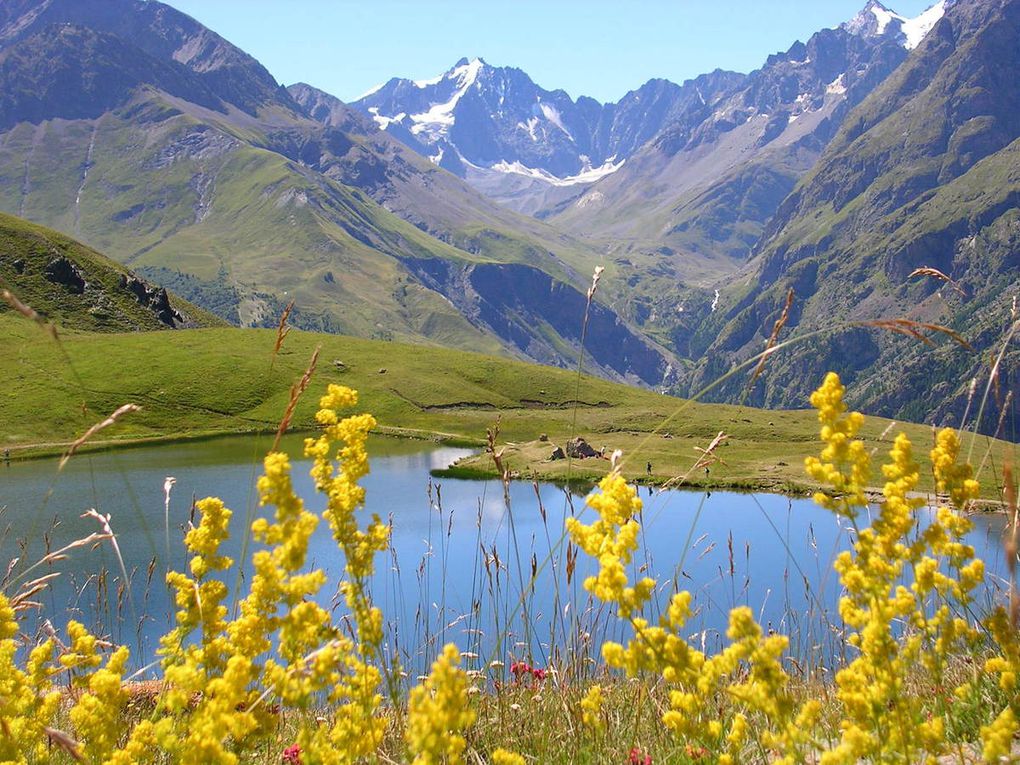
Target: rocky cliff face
[(537, 315), (78, 288)]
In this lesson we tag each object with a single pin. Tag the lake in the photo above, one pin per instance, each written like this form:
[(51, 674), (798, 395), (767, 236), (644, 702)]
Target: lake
[(461, 563)]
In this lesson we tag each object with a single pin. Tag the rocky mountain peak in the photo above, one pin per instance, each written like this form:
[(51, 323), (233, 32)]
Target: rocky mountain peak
[(878, 20)]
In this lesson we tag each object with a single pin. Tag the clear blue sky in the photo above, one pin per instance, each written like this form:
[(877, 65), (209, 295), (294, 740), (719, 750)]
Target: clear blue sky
[(599, 48)]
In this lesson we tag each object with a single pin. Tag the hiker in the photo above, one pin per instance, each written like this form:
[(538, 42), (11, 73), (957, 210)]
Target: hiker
[(648, 468), (7, 456)]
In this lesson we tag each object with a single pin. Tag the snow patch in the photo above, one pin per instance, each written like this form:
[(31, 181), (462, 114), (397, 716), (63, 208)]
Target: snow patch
[(552, 114), (587, 175), (837, 87), (382, 120), (431, 81), (883, 17), (437, 120), (911, 31), (916, 28), (715, 301), (369, 92), (593, 198), (530, 127)]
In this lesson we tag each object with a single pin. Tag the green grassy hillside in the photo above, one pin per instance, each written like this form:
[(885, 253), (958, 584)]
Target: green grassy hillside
[(75, 286), (207, 381)]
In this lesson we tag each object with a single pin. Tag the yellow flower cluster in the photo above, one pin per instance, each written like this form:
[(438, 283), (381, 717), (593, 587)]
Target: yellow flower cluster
[(225, 677), (904, 605), (612, 540), (28, 702), (591, 708), (897, 626), (844, 463), (695, 679), (438, 713), (505, 757)]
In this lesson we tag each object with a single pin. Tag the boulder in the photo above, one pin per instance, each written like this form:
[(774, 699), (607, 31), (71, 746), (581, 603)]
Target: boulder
[(579, 449), (557, 455)]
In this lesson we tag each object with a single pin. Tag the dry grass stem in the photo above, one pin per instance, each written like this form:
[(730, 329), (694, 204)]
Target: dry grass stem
[(295, 393), (1011, 543), (936, 274), (283, 329), (21, 602), (126, 409), (915, 329), (104, 522), (11, 299), (708, 455), (64, 741), (770, 345), (596, 276)]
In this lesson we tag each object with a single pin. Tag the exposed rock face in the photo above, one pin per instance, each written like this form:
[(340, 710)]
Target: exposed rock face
[(518, 302), (155, 299), (205, 68), (63, 271)]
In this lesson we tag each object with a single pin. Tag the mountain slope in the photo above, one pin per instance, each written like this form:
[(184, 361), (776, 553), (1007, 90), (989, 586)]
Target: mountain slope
[(924, 173), (160, 32), (188, 162), (680, 218), (77, 288)]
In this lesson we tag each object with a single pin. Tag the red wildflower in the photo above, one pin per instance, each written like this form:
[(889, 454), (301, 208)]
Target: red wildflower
[(519, 668), (539, 674), (292, 755), (637, 758), (696, 752)]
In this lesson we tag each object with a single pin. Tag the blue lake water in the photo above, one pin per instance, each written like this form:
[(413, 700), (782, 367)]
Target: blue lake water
[(463, 567)]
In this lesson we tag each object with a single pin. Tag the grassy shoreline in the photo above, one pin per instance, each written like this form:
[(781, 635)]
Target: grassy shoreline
[(206, 383)]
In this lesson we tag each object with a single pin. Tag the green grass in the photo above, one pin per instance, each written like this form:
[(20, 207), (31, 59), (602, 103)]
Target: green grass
[(199, 382), (105, 305)]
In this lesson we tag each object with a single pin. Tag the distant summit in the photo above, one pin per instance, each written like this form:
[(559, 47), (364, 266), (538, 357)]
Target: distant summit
[(494, 126), (877, 20)]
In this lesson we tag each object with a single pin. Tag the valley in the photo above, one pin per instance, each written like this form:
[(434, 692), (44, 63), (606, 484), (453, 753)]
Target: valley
[(469, 210), (478, 419)]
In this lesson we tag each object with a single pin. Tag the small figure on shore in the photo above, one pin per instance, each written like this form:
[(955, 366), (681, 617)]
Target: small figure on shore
[(7, 456), (648, 468)]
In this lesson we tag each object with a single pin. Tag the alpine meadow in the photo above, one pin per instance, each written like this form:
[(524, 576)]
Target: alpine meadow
[(466, 421)]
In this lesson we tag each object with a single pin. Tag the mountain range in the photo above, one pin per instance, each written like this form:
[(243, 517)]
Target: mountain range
[(470, 209), (151, 138)]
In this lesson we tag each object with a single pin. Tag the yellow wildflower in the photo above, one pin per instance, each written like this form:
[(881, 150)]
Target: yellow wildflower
[(437, 714)]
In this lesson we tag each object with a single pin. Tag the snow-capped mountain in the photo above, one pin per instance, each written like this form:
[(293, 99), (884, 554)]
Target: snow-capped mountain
[(497, 128), (534, 148)]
